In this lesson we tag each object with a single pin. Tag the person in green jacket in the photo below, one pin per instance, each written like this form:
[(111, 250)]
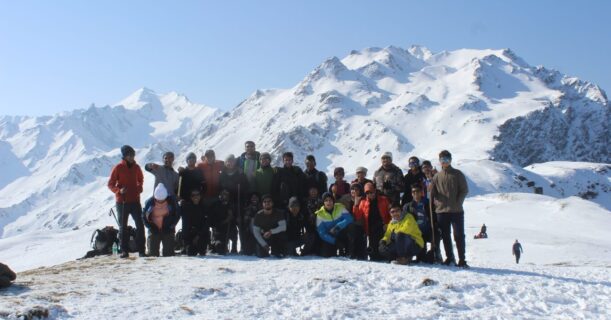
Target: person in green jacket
[(402, 240), (264, 175)]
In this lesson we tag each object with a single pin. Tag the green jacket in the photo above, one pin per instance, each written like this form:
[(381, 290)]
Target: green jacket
[(263, 180)]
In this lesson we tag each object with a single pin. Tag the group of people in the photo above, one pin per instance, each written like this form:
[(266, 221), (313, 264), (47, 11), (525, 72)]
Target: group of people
[(285, 210)]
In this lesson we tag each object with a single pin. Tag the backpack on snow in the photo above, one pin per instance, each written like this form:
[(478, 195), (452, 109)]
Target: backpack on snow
[(102, 241)]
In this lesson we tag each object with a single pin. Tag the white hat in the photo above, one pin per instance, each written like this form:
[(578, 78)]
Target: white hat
[(387, 154), (161, 193)]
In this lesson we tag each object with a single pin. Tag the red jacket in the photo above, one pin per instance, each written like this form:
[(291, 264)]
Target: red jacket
[(362, 211), (129, 177), (212, 174)]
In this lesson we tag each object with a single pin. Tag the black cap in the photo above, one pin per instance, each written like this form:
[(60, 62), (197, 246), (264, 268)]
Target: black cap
[(127, 151)]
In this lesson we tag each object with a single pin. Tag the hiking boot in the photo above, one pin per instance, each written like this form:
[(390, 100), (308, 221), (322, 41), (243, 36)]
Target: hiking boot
[(463, 264), (124, 255), (449, 262)]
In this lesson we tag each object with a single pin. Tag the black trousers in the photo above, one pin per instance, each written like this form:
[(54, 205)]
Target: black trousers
[(277, 243), (517, 254), (351, 238), (453, 223), (124, 210), (376, 233)]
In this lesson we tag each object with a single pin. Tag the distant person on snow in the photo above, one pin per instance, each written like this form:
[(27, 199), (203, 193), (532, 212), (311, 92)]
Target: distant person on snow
[(517, 250), (165, 174), (449, 189), (483, 230), (160, 216), (126, 182)]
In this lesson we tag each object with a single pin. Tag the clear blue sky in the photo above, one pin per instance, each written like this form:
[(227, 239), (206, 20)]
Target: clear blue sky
[(62, 55)]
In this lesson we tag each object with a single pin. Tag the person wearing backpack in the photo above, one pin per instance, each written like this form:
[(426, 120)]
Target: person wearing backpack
[(160, 215), (126, 181)]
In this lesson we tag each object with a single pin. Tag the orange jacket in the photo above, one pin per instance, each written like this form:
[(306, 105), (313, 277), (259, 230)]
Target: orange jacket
[(129, 177), (362, 211), (212, 174)]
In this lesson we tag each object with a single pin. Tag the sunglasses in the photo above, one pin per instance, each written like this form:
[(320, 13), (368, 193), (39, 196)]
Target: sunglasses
[(370, 192), (445, 160)]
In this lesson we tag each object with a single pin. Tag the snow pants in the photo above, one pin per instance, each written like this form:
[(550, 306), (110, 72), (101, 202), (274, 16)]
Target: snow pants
[(124, 210), (163, 238)]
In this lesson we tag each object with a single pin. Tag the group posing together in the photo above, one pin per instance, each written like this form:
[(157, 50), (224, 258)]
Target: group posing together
[(287, 211)]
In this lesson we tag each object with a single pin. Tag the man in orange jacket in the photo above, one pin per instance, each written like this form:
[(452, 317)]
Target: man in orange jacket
[(211, 168), (126, 182), (373, 213)]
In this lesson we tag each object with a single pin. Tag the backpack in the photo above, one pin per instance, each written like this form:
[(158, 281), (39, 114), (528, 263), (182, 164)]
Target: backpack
[(132, 245), (103, 239)]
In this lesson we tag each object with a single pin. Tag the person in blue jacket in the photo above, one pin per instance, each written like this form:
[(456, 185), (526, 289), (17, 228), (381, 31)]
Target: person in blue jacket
[(160, 216), (336, 228)]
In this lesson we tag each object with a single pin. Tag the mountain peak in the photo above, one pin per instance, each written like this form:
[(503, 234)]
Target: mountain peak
[(138, 99)]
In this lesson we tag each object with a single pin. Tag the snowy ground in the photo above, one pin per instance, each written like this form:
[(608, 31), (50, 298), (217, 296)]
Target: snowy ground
[(564, 274)]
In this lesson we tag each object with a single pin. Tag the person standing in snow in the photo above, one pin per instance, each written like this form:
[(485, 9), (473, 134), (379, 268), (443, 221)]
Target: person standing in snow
[(160, 216), (402, 239), (126, 182), (388, 179), (211, 168), (249, 161), (269, 228), (448, 191), (264, 175), (361, 177), (517, 250), (165, 174), (191, 178), (372, 214), (233, 180), (429, 173), (313, 176), (289, 181), (413, 175)]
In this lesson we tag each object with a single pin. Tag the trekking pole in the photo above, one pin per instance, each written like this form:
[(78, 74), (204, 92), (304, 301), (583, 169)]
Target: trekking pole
[(179, 185), (433, 242), (112, 212)]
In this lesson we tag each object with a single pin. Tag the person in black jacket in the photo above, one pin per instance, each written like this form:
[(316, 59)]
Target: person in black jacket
[(517, 250), (295, 220), (233, 180), (413, 176), (288, 181), (194, 224), (160, 216), (220, 214), (269, 228), (315, 177), (190, 178), (247, 215)]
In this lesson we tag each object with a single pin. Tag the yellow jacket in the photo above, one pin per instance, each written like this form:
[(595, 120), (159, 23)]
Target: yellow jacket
[(408, 226)]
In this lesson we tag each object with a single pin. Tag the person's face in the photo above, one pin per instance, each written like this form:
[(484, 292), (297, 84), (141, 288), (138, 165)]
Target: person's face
[(395, 213), (417, 194), (210, 158), (386, 161), (254, 200), (371, 194), (360, 175), (445, 162), (339, 177), (310, 165), (288, 162), (427, 169), (329, 203), (250, 148), (265, 162), (230, 164), (313, 192), (168, 160), (129, 158), (294, 210), (354, 193), (195, 197), (191, 162), (268, 204), (413, 165)]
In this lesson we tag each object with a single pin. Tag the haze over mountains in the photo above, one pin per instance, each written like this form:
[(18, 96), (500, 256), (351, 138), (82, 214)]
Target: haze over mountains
[(490, 108)]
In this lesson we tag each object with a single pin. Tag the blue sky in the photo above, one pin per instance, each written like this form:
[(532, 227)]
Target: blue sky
[(62, 55)]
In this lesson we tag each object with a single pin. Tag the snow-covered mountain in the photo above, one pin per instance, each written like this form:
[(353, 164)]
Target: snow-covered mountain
[(479, 104)]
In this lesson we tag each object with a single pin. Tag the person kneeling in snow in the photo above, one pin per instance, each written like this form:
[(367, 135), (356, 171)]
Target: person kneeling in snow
[(336, 228), (160, 216), (402, 239), (269, 228)]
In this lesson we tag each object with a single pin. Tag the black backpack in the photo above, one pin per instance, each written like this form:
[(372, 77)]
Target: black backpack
[(103, 239), (132, 245)]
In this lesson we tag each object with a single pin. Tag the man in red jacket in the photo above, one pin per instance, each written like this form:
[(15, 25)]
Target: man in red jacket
[(373, 213), (125, 182), (211, 168)]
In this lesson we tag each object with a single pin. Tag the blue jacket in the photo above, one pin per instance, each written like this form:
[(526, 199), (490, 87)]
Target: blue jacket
[(339, 219), (169, 222)]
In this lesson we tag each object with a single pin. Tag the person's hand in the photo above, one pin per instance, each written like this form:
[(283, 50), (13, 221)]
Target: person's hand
[(123, 190), (333, 231), (267, 234), (181, 169)]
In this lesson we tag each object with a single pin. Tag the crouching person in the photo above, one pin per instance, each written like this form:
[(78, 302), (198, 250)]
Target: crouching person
[(160, 216), (269, 229), (402, 239), (335, 228), (194, 224)]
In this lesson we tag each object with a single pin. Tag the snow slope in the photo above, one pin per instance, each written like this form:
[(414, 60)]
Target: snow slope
[(563, 274)]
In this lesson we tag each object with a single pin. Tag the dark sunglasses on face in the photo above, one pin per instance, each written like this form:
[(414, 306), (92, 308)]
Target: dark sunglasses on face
[(444, 160)]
